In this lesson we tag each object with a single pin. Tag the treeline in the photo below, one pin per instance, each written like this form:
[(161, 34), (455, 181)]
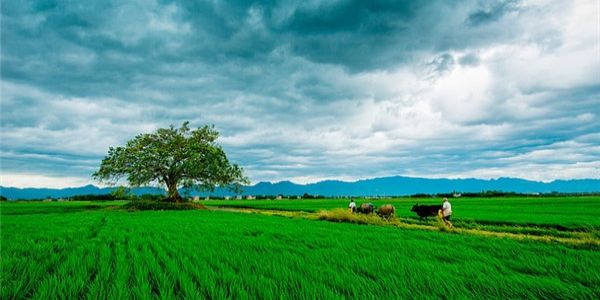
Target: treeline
[(493, 194), (96, 197), (482, 194), (121, 194), (113, 197)]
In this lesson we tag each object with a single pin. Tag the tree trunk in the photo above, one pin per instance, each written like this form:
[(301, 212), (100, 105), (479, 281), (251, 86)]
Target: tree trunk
[(173, 193)]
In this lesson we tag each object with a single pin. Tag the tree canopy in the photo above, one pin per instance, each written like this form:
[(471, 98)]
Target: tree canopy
[(175, 157)]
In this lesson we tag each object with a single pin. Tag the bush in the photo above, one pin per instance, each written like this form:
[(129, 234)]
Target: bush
[(343, 215), (93, 206), (157, 205)]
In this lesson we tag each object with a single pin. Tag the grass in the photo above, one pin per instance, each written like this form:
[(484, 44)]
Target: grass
[(564, 211), (109, 253), (561, 217)]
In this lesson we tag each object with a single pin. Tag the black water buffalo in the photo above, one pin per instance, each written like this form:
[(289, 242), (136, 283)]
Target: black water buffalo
[(425, 211), (365, 208), (386, 210)]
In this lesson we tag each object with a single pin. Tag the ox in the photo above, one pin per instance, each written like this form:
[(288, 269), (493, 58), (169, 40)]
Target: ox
[(365, 208), (425, 211), (387, 210)]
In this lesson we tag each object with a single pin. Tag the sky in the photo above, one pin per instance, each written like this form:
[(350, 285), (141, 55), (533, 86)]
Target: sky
[(306, 90)]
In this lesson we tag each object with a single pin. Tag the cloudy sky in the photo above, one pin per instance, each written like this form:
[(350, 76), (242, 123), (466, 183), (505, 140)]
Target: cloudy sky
[(306, 90)]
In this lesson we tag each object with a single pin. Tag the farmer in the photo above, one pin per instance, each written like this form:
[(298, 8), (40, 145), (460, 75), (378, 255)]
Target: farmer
[(352, 206), (446, 212)]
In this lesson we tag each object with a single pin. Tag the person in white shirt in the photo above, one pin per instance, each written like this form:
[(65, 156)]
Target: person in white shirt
[(446, 212), (352, 206)]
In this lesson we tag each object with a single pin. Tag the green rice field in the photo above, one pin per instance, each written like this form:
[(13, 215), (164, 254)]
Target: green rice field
[(499, 248)]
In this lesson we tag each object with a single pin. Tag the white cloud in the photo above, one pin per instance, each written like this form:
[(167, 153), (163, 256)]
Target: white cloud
[(464, 95), (34, 180), (537, 172)]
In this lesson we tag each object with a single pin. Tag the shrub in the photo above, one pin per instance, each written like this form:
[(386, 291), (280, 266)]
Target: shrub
[(93, 206), (343, 215), (157, 205)]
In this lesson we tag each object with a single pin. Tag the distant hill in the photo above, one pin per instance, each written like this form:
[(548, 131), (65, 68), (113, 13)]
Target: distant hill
[(42, 193), (385, 186), (403, 186)]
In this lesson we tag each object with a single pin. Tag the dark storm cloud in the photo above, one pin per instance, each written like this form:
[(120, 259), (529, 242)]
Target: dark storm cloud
[(356, 34), (105, 53), (490, 12), (56, 47)]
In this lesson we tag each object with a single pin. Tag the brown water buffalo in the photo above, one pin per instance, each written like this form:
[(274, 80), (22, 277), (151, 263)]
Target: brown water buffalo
[(386, 211), (365, 208), (425, 211)]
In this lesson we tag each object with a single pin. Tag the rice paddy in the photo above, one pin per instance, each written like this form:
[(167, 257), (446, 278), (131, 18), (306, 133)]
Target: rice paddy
[(301, 249)]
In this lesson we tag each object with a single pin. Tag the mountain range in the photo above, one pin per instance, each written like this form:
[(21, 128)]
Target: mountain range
[(384, 186)]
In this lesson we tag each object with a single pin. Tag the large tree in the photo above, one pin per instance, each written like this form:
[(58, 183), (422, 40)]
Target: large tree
[(175, 157)]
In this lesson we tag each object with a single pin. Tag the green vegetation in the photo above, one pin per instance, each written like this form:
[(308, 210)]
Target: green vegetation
[(566, 218), (175, 157), (158, 205), (570, 212), (75, 250), (33, 209)]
